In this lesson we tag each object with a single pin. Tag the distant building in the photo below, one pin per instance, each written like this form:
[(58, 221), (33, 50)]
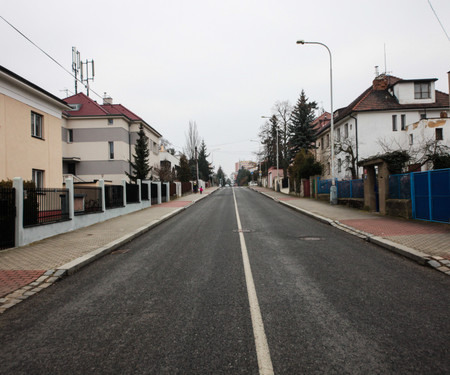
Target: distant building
[(30, 131), (246, 164), (99, 139)]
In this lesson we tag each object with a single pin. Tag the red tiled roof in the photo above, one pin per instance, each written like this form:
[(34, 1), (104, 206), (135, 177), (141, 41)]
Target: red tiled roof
[(88, 107), (373, 99), (119, 109)]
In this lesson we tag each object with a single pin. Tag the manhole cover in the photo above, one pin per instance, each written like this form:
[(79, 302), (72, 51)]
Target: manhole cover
[(310, 238), (121, 251)]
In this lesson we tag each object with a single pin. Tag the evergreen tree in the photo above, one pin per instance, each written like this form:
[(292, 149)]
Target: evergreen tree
[(220, 176), (204, 170), (301, 133), (140, 166), (184, 172)]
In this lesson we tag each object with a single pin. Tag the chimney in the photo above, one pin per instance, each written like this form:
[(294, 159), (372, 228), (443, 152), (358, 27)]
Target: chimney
[(380, 83), (107, 99)]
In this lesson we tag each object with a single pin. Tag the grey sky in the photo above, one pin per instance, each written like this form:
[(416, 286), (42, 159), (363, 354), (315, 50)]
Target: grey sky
[(223, 63)]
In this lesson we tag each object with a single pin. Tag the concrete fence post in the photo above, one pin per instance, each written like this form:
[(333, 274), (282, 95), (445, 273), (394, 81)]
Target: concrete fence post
[(124, 184), (101, 185), (139, 182), (69, 186), (159, 192)]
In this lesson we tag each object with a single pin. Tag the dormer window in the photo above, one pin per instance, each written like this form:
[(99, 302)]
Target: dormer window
[(422, 90)]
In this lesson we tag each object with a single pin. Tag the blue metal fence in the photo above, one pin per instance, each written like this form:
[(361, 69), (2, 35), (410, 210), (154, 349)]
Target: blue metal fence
[(350, 188), (400, 186), (431, 192)]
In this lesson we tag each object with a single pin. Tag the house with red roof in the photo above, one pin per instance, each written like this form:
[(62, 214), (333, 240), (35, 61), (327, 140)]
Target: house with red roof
[(99, 139), (392, 114)]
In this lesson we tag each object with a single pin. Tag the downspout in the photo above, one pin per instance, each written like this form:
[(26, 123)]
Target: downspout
[(356, 141)]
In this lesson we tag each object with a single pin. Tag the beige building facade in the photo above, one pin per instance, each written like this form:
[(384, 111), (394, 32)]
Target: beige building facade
[(30, 131)]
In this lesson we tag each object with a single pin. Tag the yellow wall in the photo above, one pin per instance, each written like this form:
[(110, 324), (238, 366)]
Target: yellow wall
[(20, 152)]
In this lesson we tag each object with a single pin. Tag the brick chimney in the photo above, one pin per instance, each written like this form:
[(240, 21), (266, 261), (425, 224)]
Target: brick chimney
[(380, 83)]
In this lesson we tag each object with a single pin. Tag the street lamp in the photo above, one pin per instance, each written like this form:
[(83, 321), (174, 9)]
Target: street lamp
[(278, 183), (333, 190)]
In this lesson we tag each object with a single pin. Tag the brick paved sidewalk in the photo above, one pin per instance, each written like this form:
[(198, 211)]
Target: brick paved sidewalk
[(29, 268), (430, 239)]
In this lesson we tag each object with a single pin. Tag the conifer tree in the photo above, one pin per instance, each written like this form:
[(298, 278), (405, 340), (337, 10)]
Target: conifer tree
[(184, 173), (140, 167), (301, 133)]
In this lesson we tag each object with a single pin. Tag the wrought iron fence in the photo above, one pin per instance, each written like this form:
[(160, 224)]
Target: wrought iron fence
[(45, 206), (7, 217), (132, 191), (144, 191), (87, 199), (400, 186), (114, 196)]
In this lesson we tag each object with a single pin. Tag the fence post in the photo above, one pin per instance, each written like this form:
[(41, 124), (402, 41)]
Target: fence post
[(139, 182), (124, 184), (18, 185), (167, 191), (158, 183), (101, 185), (69, 186)]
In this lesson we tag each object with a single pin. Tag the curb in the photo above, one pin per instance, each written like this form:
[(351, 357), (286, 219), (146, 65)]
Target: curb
[(419, 257), (52, 276)]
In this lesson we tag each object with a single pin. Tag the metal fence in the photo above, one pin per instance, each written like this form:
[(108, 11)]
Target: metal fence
[(45, 206), (163, 192), (7, 217), (114, 196), (173, 189), (400, 186), (144, 191), (323, 186), (154, 193), (132, 192), (87, 199), (350, 188)]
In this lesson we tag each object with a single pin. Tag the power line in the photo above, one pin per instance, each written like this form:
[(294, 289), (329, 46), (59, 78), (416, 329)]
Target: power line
[(46, 54), (440, 23)]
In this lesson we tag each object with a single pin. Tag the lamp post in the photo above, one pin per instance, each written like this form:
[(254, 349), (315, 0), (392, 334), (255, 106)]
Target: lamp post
[(278, 184), (333, 190)]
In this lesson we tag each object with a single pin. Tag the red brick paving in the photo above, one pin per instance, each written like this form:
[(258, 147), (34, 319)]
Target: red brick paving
[(11, 280), (389, 227)]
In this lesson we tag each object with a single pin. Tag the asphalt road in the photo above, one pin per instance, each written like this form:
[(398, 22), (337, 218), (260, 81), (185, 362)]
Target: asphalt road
[(175, 301)]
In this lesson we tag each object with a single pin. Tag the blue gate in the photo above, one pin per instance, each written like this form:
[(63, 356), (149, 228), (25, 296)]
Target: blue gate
[(431, 195)]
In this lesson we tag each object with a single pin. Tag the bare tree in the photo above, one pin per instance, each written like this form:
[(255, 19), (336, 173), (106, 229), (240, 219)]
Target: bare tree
[(192, 141), (283, 111), (347, 147)]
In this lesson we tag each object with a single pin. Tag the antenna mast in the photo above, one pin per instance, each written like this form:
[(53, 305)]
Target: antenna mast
[(90, 73), (75, 66)]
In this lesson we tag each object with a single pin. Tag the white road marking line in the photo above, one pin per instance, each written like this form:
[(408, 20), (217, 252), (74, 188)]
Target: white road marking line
[(262, 347)]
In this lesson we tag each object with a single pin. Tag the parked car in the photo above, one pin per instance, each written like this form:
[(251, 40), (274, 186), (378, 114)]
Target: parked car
[(253, 183)]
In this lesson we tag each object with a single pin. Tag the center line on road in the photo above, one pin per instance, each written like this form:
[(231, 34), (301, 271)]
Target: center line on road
[(262, 347)]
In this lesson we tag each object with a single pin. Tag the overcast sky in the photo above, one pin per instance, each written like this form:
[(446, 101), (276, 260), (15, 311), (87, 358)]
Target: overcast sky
[(223, 64)]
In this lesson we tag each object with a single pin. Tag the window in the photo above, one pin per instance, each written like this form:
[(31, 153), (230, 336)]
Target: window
[(69, 135), (338, 134), (111, 150), (36, 125), (339, 165), (394, 123), (422, 90), (439, 134), (403, 122), (321, 143), (110, 121), (411, 139), (346, 131), (38, 177), (328, 140), (71, 169)]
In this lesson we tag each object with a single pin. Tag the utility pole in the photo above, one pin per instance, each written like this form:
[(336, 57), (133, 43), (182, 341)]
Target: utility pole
[(196, 162)]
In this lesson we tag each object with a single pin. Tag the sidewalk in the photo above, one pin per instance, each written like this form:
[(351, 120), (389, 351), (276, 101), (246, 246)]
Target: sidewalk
[(425, 242), (26, 270)]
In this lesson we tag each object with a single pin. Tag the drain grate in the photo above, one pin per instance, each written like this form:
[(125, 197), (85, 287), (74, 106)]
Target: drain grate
[(310, 238), (120, 251)]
